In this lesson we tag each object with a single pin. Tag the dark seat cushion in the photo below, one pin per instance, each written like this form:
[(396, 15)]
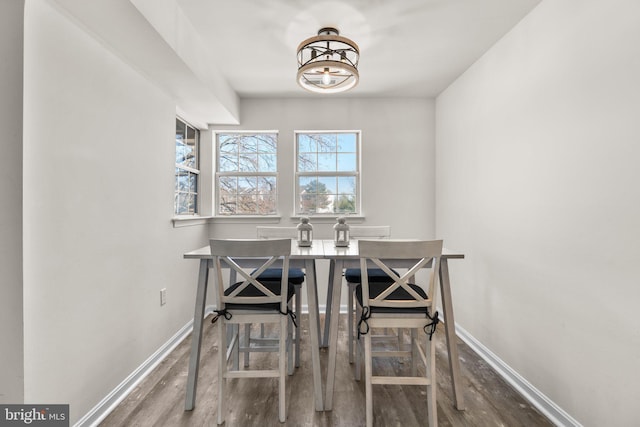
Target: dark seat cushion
[(376, 288), (376, 275), (252, 291), (296, 275)]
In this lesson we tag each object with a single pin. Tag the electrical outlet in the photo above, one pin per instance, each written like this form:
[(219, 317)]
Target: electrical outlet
[(163, 296)]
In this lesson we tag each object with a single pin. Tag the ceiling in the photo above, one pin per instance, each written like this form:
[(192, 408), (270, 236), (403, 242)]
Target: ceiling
[(408, 47), (208, 54)]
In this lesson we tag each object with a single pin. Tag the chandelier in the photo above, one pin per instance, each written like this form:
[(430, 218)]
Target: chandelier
[(328, 62)]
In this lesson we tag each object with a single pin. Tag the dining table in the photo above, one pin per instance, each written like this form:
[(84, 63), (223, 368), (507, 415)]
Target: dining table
[(305, 258)]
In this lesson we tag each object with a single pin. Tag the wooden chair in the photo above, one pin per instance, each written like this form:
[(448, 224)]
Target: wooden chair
[(353, 277), (399, 304), (251, 300), (296, 277)]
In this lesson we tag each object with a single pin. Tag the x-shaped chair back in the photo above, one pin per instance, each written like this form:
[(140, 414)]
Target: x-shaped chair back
[(382, 253), (271, 250)]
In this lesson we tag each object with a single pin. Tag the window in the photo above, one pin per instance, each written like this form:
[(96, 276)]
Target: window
[(246, 178), (327, 172), (187, 169)]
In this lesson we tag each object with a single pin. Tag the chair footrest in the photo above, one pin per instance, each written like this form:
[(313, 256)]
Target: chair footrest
[(258, 349), (391, 353), (401, 380), (271, 373)]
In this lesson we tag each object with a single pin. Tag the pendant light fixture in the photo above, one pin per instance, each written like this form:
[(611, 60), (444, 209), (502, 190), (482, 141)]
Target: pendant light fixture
[(328, 62)]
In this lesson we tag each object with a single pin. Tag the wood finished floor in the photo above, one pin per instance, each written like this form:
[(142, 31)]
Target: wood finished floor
[(159, 399)]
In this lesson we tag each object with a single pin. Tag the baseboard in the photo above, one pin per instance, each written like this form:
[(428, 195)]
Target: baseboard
[(117, 395), (541, 402)]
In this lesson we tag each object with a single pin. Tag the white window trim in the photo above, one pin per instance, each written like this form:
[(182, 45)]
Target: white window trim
[(196, 171), (216, 202), (358, 174)]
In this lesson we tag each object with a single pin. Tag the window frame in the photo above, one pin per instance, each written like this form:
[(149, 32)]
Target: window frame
[(218, 174), (357, 174), (191, 170)]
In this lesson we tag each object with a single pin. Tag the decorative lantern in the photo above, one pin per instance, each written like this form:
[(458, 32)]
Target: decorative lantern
[(305, 232), (341, 233)]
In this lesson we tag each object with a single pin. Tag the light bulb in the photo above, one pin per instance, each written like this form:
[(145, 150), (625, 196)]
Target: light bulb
[(326, 77)]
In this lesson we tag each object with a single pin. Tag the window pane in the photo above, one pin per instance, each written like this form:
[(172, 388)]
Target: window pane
[(314, 196), (192, 156), (267, 162), (306, 144), (181, 130), (246, 204), (347, 162), (247, 185), (307, 162), (176, 203), (227, 204), (266, 205), (345, 203), (193, 182), (346, 184), (326, 162), (228, 144), (305, 181), (228, 184), (181, 180), (248, 162), (347, 142), (267, 143), (326, 142), (228, 163), (185, 152), (191, 203), (327, 185), (308, 203), (181, 151), (267, 185)]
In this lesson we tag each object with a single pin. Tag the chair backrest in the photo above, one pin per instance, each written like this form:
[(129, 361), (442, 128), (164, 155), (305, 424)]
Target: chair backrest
[(382, 253), (370, 231), (277, 232), (268, 250)]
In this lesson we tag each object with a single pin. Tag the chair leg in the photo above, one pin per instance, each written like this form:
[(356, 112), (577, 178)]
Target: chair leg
[(430, 372), (233, 331), (282, 414), (358, 344), (290, 367), (247, 343), (350, 320), (368, 390), (222, 369), (414, 353), (298, 303)]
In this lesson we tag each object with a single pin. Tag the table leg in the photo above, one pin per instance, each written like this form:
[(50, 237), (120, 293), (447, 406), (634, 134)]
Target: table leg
[(314, 330), (317, 312), (196, 335), (327, 309), (333, 332), (450, 333)]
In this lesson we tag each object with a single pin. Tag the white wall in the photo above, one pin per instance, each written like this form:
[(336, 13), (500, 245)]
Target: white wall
[(537, 182), (11, 67), (398, 160), (98, 200), (397, 137)]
